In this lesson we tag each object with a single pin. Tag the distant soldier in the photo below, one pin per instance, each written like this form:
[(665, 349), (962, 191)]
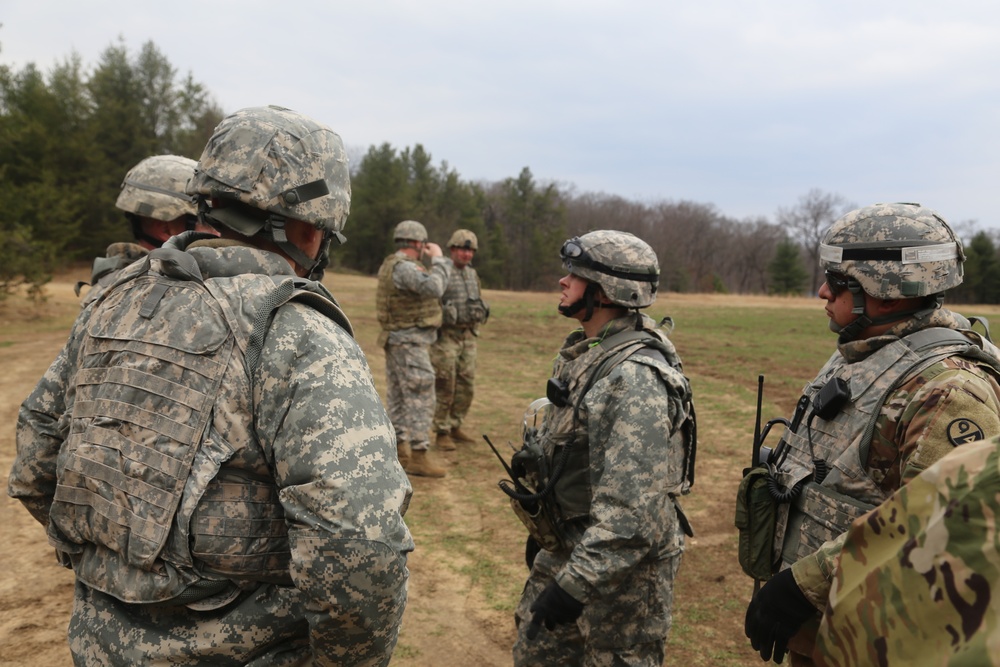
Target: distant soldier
[(156, 206), (917, 580), (408, 305), (220, 472), (454, 352), (607, 533), (908, 383)]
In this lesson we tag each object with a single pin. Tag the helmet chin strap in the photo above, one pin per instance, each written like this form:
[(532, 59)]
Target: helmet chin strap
[(852, 330), (588, 301)]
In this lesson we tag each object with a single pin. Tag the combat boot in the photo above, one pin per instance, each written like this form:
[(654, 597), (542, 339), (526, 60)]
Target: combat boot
[(458, 435), (403, 453), (421, 465), (444, 442)]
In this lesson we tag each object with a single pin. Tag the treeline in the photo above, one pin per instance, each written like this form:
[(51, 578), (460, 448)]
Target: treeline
[(68, 136)]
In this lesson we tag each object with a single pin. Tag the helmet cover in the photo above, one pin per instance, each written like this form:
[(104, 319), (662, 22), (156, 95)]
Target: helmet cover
[(625, 266), (278, 161), (155, 188), (463, 238), (409, 230), (894, 251)]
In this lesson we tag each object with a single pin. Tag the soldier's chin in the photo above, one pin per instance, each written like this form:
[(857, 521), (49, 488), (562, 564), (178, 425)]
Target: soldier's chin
[(834, 327)]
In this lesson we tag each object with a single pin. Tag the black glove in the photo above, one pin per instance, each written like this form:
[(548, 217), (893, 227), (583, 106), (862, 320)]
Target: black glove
[(553, 606), (531, 549), (775, 614)]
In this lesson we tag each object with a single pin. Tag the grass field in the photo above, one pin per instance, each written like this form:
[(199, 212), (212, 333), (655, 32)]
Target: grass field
[(468, 569)]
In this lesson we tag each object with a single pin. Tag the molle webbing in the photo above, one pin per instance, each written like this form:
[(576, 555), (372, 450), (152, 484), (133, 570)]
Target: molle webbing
[(824, 511), (143, 401)]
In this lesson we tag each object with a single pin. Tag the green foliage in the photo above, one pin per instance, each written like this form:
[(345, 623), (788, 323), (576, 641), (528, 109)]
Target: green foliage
[(788, 276), (389, 187), (982, 273), (527, 223), (67, 140), (23, 261)]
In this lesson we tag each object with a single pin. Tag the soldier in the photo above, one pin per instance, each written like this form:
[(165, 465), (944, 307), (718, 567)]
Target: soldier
[(909, 382), (454, 353), (619, 438), (409, 311), (156, 206), (220, 474), (916, 579)]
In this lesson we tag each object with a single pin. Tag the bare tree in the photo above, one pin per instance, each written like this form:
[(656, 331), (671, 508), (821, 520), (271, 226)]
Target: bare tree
[(751, 250), (808, 221)]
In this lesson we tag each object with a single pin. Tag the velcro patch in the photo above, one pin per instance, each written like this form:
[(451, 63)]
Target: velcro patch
[(962, 431)]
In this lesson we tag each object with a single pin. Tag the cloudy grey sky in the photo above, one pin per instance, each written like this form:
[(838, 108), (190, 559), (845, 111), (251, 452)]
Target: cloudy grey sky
[(744, 104)]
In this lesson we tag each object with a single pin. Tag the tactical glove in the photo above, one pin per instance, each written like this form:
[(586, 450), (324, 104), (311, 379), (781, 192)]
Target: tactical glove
[(775, 614), (553, 606)]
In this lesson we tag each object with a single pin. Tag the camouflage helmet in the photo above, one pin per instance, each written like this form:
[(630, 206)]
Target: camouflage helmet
[(154, 188), (278, 164), (894, 251), (624, 266), (409, 230), (463, 238)]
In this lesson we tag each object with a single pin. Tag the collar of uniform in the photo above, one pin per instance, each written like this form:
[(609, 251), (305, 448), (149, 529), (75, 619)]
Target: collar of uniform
[(856, 350)]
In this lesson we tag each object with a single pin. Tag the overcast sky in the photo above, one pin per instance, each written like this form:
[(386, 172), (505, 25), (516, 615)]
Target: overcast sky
[(744, 104)]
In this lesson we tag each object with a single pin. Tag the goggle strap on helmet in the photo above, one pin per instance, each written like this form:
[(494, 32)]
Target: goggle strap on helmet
[(573, 252), (304, 193), (588, 263)]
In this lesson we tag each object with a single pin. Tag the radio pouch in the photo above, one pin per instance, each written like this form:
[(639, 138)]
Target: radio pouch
[(756, 521)]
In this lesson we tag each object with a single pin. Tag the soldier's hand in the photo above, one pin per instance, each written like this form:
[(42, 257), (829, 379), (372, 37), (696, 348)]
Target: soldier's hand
[(432, 250), (775, 614), (553, 607)]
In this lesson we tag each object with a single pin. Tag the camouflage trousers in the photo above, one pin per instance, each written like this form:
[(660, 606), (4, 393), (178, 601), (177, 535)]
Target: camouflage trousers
[(628, 626), (410, 392), (454, 360), (265, 627)]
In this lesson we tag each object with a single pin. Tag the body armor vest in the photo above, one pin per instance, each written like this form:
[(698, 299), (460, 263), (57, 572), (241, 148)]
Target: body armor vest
[(164, 493), (397, 309), (564, 433), (462, 304), (823, 510)]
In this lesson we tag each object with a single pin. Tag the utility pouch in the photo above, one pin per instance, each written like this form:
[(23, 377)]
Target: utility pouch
[(756, 520)]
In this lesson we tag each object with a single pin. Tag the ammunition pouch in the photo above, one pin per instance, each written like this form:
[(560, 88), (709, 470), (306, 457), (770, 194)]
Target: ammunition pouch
[(756, 521), (818, 514)]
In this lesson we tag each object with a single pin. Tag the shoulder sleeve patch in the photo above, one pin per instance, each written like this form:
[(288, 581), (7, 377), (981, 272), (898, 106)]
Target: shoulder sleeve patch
[(962, 431)]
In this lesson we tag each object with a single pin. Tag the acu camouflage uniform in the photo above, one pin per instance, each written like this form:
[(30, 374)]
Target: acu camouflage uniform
[(616, 507), (409, 311), (925, 386), (917, 580), (218, 470), (454, 353), (154, 188)]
